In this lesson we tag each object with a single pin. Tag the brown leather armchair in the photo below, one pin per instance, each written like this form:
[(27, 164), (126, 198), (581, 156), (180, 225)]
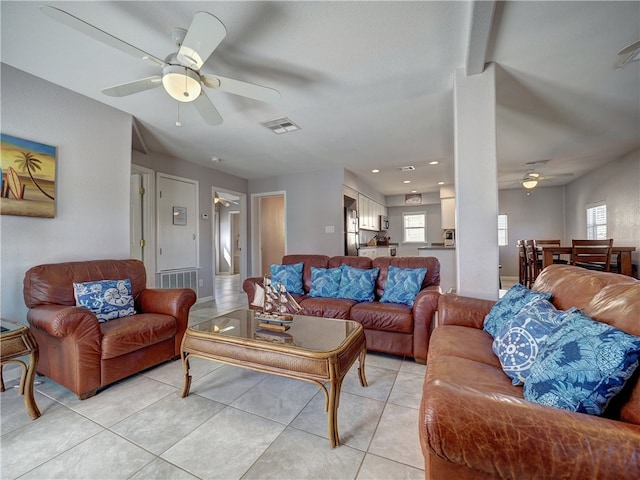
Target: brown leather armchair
[(82, 354)]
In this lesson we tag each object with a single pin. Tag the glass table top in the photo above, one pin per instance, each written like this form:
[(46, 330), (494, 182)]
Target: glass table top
[(309, 333), (7, 326)]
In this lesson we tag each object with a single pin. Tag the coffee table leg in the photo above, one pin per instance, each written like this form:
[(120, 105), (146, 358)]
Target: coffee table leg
[(361, 375), (332, 414), (187, 378)]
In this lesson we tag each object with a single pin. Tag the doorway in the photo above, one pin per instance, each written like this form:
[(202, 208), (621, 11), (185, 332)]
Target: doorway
[(268, 214), (142, 219), (229, 233)]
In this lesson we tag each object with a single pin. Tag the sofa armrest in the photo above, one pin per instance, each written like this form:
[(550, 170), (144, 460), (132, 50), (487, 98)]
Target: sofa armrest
[(463, 311), (424, 308), (507, 437), (63, 321), (250, 286), (172, 301)]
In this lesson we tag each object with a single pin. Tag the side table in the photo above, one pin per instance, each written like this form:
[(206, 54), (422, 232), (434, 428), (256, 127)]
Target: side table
[(16, 341)]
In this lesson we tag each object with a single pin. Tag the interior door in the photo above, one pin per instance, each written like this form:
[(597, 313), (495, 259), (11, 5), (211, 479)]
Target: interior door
[(177, 223), (271, 231)]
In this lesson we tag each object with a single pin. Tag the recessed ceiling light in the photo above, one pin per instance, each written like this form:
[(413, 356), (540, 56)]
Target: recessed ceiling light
[(375, 170), (406, 181), (440, 183), (414, 191), (435, 162)]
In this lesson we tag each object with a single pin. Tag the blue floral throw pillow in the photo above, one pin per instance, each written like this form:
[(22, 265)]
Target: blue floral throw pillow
[(358, 283), (517, 344), (107, 299), (325, 282), (289, 275), (505, 308), (403, 284), (582, 366)]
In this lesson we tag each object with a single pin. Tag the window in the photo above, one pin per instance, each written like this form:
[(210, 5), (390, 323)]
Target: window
[(503, 238), (414, 227), (597, 221)]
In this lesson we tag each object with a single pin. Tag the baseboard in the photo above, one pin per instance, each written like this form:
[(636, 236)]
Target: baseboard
[(205, 299)]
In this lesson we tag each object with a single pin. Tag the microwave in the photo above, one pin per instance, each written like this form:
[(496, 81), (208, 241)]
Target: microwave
[(384, 223)]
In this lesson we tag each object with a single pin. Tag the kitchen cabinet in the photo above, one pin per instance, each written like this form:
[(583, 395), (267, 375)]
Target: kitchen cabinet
[(369, 212), (378, 251), (448, 213)]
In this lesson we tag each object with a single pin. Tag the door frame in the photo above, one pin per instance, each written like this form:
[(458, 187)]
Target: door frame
[(148, 177), (242, 207), (256, 240)]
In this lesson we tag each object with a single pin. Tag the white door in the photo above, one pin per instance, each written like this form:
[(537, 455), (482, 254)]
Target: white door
[(177, 223)]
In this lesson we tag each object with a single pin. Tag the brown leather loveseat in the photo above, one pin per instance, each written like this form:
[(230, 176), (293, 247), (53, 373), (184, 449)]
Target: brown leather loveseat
[(82, 354), (474, 423), (389, 327)]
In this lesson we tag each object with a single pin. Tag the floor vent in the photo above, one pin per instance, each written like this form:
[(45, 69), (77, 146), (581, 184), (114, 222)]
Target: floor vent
[(179, 279)]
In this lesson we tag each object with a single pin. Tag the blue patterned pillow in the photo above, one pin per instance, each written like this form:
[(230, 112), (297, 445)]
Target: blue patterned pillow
[(403, 284), (518, 342), (325, 282), (358, 283), (582, 365), (107, 299), (505, 308), (289, 275)]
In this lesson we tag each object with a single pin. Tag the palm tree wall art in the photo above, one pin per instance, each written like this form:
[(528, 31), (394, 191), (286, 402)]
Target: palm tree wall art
[(27, 177)]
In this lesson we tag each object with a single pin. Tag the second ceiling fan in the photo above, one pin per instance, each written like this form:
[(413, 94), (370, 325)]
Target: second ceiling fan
[(181, 77)]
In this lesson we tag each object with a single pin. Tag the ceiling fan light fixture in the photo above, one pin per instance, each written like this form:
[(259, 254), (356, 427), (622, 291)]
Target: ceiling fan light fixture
[(530, 183), (181, 83)]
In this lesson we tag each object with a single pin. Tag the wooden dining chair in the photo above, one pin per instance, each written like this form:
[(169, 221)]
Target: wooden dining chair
[(592, 254), (547, 243), (522, 263), (533, 269)]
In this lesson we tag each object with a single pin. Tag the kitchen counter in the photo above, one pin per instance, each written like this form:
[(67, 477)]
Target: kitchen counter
[(436, 247)]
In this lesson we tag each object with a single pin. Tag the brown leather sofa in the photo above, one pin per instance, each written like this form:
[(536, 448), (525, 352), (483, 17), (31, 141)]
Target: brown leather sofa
[(389, 327), (83, 355), (475, 424)]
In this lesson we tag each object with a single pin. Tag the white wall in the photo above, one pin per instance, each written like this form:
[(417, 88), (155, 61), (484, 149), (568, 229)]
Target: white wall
[(618, 184), (313, 202), (536, 216), (92, 182)]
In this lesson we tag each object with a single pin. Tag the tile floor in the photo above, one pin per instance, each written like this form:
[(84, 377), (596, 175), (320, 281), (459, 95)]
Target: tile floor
[(235, 424)]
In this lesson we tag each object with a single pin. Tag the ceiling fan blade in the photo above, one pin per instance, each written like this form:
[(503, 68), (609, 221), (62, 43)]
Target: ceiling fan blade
[(559, 175), (244, 89), (630, 48), (97, 34), (203, 37), (133, 87), (207, 110)]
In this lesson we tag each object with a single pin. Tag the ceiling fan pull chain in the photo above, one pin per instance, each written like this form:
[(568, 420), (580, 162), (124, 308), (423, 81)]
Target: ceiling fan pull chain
[(178, 122)]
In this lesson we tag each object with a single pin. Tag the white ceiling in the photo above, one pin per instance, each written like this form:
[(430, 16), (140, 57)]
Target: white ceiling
[(369, 83)]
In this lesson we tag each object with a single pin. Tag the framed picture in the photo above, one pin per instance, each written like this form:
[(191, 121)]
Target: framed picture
[(413, 199), (179, 215), (27, 178)]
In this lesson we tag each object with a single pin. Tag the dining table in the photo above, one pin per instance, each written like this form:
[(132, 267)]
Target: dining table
[(623, 255)]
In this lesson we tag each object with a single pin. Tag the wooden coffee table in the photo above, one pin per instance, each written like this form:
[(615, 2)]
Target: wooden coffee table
[(317, 350)]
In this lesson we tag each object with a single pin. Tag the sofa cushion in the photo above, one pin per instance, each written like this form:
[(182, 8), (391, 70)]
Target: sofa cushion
[(445, 341), (107, 299), (403, 284), (125, 335), (582, 365), (518, 342), (288, 275), (506, 307), (325, 282), (390, 317), (327, 307), (309, 260), (432, 277), (357, 283)]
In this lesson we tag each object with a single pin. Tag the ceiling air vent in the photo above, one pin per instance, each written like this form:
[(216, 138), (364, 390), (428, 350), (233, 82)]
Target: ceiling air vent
[(408, 168), (281, 125)]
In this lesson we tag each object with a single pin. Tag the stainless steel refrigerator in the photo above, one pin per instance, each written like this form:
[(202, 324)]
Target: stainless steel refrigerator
[(351, 240)]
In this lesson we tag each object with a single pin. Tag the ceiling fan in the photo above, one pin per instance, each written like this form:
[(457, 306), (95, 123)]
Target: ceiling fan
[(224, 201), (181, 77), (532, 178)]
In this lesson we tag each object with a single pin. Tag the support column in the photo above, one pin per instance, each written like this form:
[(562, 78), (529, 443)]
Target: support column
[(476, 184)]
